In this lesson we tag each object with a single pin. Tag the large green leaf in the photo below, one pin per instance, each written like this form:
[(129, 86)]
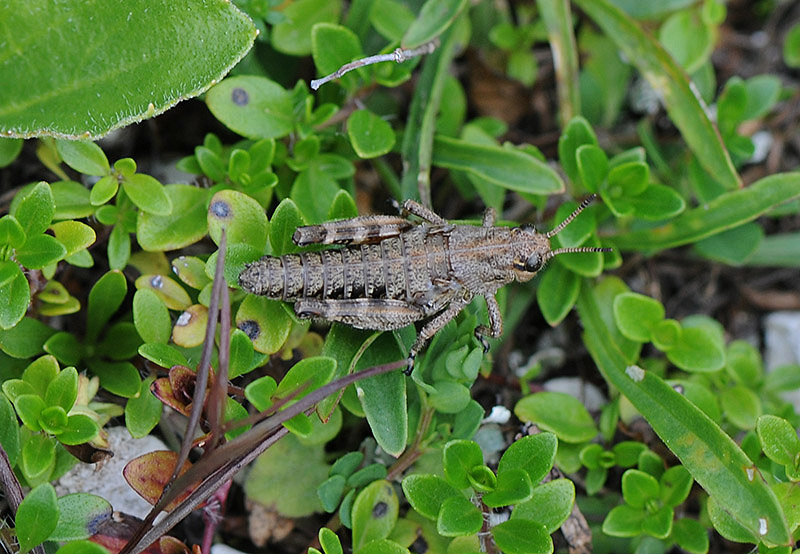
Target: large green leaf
[(671, 82), (724, 212), (184, 226), (710, 455), (76, 69)]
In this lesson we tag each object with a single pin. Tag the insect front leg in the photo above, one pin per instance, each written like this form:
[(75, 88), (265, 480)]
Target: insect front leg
[(377, 314), (489, 217), (358, 230), (495, 320)]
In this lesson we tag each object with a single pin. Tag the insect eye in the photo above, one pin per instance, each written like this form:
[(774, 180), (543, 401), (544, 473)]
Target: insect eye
[(533, 263)]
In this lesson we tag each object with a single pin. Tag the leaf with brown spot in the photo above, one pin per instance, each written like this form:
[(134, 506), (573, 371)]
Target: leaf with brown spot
[(150, 473)]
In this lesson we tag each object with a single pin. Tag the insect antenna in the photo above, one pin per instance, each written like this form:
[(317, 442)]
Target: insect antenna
[(588, 200)]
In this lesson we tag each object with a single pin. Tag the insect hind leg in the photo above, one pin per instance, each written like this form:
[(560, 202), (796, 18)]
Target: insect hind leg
[(495, 322), (358, 230), (362, 313)]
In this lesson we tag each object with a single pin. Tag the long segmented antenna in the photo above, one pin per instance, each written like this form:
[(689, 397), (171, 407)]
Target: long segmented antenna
[(588, 200)]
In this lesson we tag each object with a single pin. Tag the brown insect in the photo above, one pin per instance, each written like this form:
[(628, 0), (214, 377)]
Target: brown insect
[(392, 272)]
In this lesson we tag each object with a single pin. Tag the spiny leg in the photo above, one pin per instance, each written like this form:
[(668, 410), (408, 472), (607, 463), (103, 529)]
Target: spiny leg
[(415, 208), (362, 313), (431, 328), (495, 320), (358, 230)]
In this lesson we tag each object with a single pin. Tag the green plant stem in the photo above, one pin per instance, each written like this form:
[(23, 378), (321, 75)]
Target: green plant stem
[(414, 451), (558, 20)]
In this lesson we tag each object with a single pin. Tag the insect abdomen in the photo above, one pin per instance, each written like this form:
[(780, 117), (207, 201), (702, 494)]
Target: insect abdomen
[(395, 267)]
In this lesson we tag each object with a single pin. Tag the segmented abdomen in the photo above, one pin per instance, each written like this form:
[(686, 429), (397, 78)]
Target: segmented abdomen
[(397, 267)]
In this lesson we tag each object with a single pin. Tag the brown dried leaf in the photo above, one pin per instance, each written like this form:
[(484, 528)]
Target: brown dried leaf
[(150, 473)]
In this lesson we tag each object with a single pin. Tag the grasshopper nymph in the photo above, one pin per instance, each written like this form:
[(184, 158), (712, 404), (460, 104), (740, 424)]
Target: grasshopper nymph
[(390, 272)]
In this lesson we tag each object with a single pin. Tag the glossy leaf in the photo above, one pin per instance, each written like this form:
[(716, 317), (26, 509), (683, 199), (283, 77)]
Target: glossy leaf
[(370, 135), (11, 233), (26, 338), (559, 413), (333, 46), (63, 389), (434, 17), (150, 316), (636, 315), (170, 293), (534, 454), (374, 513), (458, 458), (185, 225), (143, 411), (40, 251), (513, 487), (83, 156), (255, 107), (242, 217), (293, 35), (285, 220), (550, 505), (148, 194), (190, 328), (521, 536), (167, 52), (37, 516), (506, 167), (558, 291), (458, 516), (38, 458), (80, 429), (34, 207), (426, 493), (9, 430), (265, 321), (105, 298), (17, 293)]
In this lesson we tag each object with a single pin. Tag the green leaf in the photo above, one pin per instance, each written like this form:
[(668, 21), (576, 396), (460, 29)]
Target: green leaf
[(639, 487), (449, 397), (724, 212), (274, 479), (63, 389), (636, 315), (26, 338), (558, 291), (265, 321), (343, 206), (624, 521), (80, 429), (741, 406), (185, 225), (733, 246), (383, 397), (534, 454), (506, 167), (459, 456), (37, 516), (293, 35), (657, 203), (592, 165), (34, 208), (710, 455), (9, 430), (659, 524), (370, 135), (9, 150), (308, 374), (120, 378), (105, 298), (40, 251), (791, 47), (143, 411), (148, 194), (744, 363), (697, 350), (521, 536), (72, 200), (577, 133), (255, 107), (778, 439), (366, 475), (426, 493), (74, 235), (458, 516), (333, 46), (80, 516), (150, 316), (104, 190), (285, 220), (53, 419), (38, 457), (167, 53), (11, 232), (550, 505), (29, 407), (433, 19), (242, 217), (676, 483), (688, 39), (690, 535), (374, 513), (672, 85), (119, 248), (513, 487), (17, 294), (83, 156), (559, 413)]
